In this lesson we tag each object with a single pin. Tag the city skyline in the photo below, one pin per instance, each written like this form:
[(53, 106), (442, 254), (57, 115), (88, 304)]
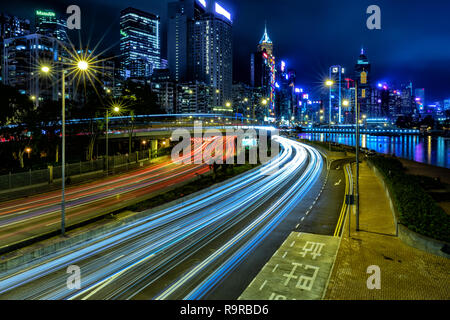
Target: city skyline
[(411, 58)]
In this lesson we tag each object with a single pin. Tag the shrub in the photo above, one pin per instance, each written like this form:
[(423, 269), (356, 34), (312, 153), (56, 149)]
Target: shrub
[(416, 208)]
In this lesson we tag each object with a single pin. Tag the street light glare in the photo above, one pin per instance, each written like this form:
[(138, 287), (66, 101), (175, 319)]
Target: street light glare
[(116, 109), (329, 83), (45, 69), (82, 65)]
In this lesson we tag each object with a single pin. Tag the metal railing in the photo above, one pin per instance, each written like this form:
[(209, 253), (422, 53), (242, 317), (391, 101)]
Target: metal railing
[(117, 163)]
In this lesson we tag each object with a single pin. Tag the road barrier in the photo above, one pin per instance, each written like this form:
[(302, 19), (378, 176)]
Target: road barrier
[(31, 178)]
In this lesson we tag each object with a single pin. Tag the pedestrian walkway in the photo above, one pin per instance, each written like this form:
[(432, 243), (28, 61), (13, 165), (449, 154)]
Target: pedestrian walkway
[(299, 269), (405, 272)]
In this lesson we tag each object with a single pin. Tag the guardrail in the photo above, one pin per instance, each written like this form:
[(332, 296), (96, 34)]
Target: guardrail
[(14, 181)]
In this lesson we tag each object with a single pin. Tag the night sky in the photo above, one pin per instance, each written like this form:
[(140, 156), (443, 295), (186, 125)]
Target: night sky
[(413, 45)]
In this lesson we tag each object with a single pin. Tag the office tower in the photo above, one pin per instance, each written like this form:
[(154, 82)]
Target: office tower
[(193, 97), (181, 15), (262, 71), (200, 46), (265, 44), (166, 94), (211, 52), (140, 44), (366, 98), (21, 64), (420, 99), (11, 26), (336, 73), (48, 24), (446, 104)]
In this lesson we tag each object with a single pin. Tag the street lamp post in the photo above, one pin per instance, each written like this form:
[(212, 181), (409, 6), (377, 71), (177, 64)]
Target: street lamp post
[(357, 155), (116, 109), (63, 174), (329, 83), (82, 65)]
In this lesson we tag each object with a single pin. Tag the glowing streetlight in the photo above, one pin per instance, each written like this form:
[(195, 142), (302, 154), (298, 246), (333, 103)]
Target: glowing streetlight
[(264, 102), (83, 65), (345, 103), (116, 109), (329, 83), (45, 69)]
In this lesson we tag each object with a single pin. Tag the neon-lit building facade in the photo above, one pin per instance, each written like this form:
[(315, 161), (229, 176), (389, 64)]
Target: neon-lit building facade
[(48, 24), (140, 43), (200, 46), (263, 72)]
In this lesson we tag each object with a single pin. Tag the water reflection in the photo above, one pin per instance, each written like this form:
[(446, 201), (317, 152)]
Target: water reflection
[(431, 150)]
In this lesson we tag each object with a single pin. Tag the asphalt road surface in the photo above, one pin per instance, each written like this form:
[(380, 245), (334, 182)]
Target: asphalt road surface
[(185, 251)]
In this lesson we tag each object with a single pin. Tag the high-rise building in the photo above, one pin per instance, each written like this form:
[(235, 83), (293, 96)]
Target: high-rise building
[(50, 25), (193, 97), (11, 26), (265, 44), (140, 43), (420, 99), (200, 46), (334, 112), (262, 71), (212, 52), (166, 94), (21, 62), (181, 15), (367, 99), (446, 104)]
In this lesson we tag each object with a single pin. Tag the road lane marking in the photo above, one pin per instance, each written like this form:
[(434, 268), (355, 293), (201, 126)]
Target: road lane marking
[(275, 268), (262, 286)]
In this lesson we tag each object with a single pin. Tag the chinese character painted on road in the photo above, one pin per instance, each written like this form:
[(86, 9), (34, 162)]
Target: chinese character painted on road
[(314, 248)]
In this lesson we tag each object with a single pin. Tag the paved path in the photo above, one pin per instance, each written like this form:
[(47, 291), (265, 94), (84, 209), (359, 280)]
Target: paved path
[(299, 270), (406, 272)]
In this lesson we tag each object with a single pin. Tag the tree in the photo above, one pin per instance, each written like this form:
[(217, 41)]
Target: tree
[(17, 120), (139, 100)]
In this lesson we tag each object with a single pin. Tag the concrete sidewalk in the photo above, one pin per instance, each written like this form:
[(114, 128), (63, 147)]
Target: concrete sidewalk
[(406, 272)]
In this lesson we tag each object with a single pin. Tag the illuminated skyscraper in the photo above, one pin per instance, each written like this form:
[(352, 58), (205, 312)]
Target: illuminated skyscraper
[(200, 46), (140, 44), (365, 96), (265, 44), (420, 99), (262, 71), (181, 16), (11, 26), (48, 24)]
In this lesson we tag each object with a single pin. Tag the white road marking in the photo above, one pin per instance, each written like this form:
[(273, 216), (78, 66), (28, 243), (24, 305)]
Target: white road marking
[(275, 268), (262, 286)]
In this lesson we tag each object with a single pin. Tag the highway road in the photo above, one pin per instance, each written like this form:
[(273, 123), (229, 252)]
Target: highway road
[(30, 217), (181, 252)]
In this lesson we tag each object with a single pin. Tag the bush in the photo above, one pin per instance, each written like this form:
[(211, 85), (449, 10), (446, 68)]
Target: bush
[(416, 208)]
